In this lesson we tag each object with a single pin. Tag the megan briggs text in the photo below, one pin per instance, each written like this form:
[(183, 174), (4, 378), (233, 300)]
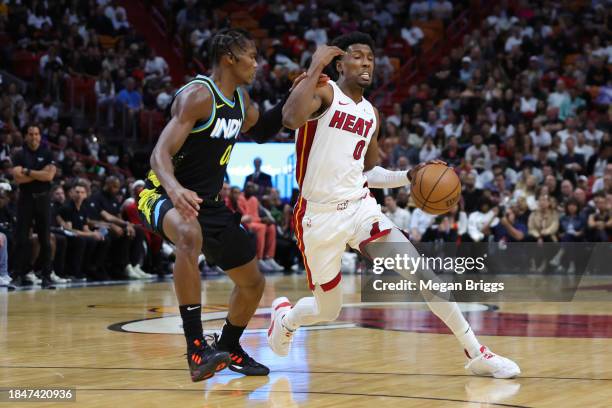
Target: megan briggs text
[(469, 285)]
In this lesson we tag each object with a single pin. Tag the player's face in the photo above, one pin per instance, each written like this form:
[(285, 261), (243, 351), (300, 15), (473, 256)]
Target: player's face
[(357, 65), (245, 64)]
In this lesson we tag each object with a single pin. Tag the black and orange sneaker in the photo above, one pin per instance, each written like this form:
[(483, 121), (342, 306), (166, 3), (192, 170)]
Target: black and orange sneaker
[(241, 362), (204, 361)]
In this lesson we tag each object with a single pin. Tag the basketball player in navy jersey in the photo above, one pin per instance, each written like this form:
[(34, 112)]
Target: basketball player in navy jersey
[(181, 198), (335, 208)]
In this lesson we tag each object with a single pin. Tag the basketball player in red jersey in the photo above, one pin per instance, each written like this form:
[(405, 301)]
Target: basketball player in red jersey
[(337, 152)]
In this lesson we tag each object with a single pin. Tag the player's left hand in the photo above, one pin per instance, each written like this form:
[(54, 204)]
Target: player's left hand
[(321, 82), (413, 171)]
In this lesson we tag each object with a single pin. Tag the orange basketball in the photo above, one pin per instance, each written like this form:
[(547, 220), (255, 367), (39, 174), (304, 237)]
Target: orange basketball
[(436, 189)]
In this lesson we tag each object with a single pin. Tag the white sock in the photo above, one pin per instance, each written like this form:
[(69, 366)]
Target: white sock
[(451, 315)]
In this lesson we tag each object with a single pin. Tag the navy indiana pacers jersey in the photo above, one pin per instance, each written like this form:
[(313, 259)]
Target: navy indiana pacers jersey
[(200, 163)]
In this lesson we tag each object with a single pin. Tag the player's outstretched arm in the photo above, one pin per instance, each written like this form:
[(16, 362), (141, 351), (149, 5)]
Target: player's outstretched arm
[(307, 98), (190, 106), (262, 127), (379, 177)]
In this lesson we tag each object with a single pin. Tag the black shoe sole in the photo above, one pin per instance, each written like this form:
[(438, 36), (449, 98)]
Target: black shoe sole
[(218, 362), (250, 371)]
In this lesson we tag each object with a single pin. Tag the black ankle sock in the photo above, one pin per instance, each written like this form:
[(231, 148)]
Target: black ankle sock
[(192, 323), (230, 336)]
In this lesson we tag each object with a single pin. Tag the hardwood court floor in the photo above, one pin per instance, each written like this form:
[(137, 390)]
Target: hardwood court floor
[(114, 345)]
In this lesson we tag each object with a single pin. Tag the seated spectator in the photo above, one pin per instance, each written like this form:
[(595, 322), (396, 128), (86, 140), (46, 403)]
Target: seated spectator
[(130, 100), (127, 241), (105, 94), (600, 220), (477, 150), (45, 110), (72, 217), (419, 223), (544, 221), (510, 228), (572, 223), (263, 228), (397, 215), (481, 222), (429, 151), (165, 97)]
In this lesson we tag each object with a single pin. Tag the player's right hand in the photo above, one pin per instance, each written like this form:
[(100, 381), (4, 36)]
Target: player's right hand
[(325, 54), (186, 202)]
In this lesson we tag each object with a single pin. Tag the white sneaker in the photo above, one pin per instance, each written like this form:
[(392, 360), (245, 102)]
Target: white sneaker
[(491, 365), (56, 279), (130, 273), (263, 266), (5, 280), (141, 272), (31, 276), (279, 336), (274, 265)]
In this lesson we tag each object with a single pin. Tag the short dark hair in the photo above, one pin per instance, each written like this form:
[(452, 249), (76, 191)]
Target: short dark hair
[(346, 40), (226, 41)]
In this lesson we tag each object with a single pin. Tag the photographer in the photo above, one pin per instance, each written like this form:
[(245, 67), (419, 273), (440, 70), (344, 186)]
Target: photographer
[(33, 170)]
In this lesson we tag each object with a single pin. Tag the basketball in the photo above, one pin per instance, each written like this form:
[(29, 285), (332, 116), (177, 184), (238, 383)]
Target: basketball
[(436, 189)]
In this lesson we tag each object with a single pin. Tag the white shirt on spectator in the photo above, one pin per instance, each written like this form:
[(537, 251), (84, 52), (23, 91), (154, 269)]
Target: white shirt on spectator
[(511, 42), (41, 112), (529, 105), (38, 21), (598, 185), (474, 153), (419, 9), (420, 220), (413, 36), (44, 60), (318, 35), (291, 16), (556, 99), (604, 52), (477, 221), (540, 139), (452, 129), (429, 153), (566, 134), (199, 36), (384, 18), (593, 136), (442, 10), (157, 65), (163, 100), (586, 150), (111, 12), (400, 217)]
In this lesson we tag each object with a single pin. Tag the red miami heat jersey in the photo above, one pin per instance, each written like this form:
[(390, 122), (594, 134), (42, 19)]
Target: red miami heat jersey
[(330, 150)]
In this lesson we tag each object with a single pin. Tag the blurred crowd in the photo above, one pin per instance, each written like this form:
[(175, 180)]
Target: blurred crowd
[(521, 110)]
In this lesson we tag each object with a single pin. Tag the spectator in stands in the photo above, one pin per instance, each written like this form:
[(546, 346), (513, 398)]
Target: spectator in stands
[(482, 222), (156, 68), (72, 216), (510, 228), (262, 180), (45, 110), (127, 241), (600, 221), (264, 228), (130, 101), (105, 94), (399, 216), (420, 221), (165, 97)]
